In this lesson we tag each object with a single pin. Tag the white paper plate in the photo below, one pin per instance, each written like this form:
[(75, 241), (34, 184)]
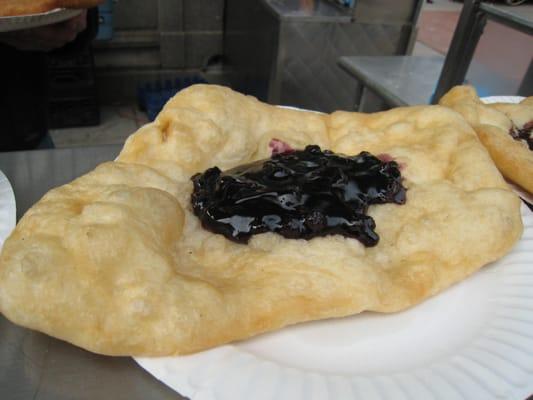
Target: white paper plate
[(8, 210), (502, 99), (473, 341), (19, 22)]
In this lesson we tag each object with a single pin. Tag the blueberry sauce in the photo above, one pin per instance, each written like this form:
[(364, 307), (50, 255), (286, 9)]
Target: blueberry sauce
[(299, 194), (523, 134)]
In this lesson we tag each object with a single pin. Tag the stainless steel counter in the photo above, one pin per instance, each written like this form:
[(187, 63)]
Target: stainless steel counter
[(411, 80), (38, 367), (399, 80)]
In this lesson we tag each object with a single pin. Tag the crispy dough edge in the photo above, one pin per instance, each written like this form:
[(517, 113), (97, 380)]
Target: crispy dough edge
[(513, 159)]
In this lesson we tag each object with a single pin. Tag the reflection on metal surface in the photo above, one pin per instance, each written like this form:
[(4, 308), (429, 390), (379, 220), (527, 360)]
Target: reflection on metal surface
[(399, 80), (310, 76), (286, 53)]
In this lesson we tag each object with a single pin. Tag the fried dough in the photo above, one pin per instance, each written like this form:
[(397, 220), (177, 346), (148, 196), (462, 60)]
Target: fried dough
[(26, 7), (116, 262), (492, 123)]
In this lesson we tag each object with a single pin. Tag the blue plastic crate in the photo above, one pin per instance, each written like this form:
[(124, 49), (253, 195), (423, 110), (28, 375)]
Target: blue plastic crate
[(152, 96)]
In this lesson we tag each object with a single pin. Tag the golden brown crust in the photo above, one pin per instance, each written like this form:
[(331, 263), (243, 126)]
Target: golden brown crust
[(117, 263), (492, 123), (26, 7), (512, 159), (234, 129)]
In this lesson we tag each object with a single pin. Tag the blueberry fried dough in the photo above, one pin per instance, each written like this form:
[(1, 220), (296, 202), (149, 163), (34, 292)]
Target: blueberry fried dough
[(117, 261)]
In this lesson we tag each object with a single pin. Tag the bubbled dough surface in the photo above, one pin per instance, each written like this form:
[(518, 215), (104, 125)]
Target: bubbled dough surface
[(116, 262), (492, 123)]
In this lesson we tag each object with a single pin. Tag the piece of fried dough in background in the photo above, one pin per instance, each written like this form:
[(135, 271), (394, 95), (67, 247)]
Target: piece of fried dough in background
[(492, 123), (26, 7)]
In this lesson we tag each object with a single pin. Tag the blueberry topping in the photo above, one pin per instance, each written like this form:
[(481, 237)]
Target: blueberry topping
[(299, 194), (523, 134)]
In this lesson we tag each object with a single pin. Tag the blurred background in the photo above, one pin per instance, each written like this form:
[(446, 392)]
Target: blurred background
[(323, 55)]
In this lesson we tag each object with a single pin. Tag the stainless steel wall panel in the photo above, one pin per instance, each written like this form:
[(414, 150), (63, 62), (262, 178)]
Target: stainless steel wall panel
[(387, 11), (201, 46), (133, 57), (251, 47), (156, 39), (136, 14), (170, 15), (287, 55), (203, 15), (172, 49), (310, 76)]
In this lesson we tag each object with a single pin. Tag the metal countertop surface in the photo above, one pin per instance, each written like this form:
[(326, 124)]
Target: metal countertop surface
[(412, 80), (520, 18), (400, 80), (36, 366)]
